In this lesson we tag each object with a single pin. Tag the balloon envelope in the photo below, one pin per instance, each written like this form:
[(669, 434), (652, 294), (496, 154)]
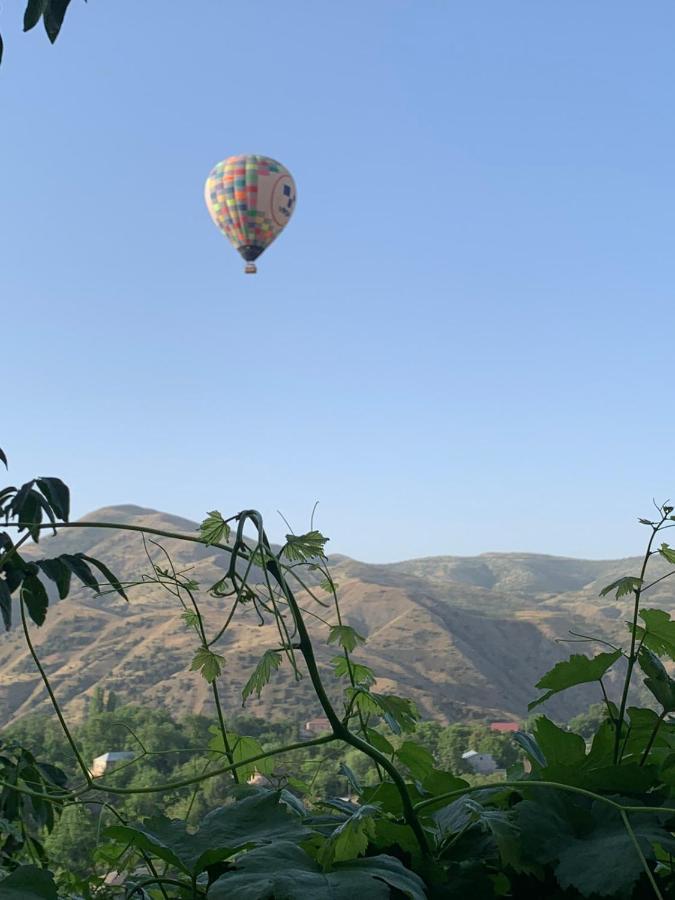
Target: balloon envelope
[(250, 198)]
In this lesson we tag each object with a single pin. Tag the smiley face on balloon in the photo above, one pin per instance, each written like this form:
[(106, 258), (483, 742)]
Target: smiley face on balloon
[(251, 199)]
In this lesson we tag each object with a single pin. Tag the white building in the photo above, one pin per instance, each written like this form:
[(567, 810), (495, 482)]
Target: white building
[(481, 763), (107, 761)]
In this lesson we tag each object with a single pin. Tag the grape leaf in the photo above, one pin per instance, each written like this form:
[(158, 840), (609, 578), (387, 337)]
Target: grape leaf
[(284, 870), (257, 819), (346, 636), (362, 674), (622, 586), (208, 663), (658, 633), (304, 547), (241, 748), (350, 839), (578, 669), (417, 759), (267, 664), (668, 553), (214, 529), (658, 681), (28, 883)]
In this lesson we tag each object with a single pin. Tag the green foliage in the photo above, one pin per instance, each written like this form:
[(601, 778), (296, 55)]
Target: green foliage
[(241, 748), (208, 663), (351, 838), (285, 870), (361, 674), (304, 547), (592, 817), (417, 759), (587, 723), (588, 845), (257, 819), (578, 669), (658, 681), (28, 883), (267, 664), (668, 553), (622, 587), (347, 637), (32, 794), (658, 632), (214, 529)]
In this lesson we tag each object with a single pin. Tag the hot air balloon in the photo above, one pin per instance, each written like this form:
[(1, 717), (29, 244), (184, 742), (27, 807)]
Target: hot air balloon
[(250, 198)]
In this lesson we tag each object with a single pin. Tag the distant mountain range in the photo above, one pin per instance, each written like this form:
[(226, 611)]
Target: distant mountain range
[(464, 637)]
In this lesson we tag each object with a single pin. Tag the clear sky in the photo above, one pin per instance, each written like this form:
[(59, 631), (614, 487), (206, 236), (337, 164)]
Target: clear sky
[(462, 342)]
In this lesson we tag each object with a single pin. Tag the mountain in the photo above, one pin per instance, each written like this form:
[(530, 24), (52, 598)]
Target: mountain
[(464, 637)]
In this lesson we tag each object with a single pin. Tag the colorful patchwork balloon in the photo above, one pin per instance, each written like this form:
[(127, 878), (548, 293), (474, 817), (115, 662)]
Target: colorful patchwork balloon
[(250, 198)]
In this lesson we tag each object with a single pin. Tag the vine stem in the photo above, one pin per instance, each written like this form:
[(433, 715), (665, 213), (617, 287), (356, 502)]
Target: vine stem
[(632, 656), (638, 850), (652, 737), (340, 731), (52, 697)]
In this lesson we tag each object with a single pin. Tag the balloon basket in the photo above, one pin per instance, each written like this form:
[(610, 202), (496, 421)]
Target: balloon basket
[(251, 268)]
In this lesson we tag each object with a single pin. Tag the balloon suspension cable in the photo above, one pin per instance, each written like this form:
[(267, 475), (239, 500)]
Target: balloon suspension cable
[(251, 268)]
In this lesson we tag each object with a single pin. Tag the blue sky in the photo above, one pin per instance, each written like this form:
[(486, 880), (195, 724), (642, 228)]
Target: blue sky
[(461, 343)]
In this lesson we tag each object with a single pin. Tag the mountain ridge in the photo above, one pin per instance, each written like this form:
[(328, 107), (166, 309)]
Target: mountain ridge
[(464, 637)]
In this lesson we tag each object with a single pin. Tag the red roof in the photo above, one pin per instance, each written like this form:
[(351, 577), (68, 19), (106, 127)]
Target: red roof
[(504, 726)]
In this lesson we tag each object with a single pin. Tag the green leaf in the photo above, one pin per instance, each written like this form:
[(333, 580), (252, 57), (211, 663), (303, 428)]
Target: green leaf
[(399, 713), (28, 883), (35, 597), (284, 870), (5, 604), (267, 664), (33, 13), (354, 782), (53, 17), (214, 529), (57, 494), (658, 681), (362, 674), (3, 458), (590, 849), (388, 798), (80, 570), (346, 636), (438, 782), (417, 759), (623, 586), (105, 571), (527, 743), (304, 547), (350, 839), (658, 633), (190, 618), (379, 742), (258, 818), (58, 572), (668, 553), (557, 745), (578, 669), (208, 663), (241, 748)]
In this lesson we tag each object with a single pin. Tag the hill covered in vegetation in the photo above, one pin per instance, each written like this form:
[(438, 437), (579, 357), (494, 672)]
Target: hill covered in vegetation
[(464, 637)]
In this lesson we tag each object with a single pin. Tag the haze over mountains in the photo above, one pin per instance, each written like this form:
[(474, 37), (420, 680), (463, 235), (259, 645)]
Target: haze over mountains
[(464, 637)]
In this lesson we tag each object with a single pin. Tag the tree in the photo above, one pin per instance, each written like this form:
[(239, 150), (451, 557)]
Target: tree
[(73, 840)]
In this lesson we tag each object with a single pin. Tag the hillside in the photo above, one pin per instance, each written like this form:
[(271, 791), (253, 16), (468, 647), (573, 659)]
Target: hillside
[(462, 636)]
